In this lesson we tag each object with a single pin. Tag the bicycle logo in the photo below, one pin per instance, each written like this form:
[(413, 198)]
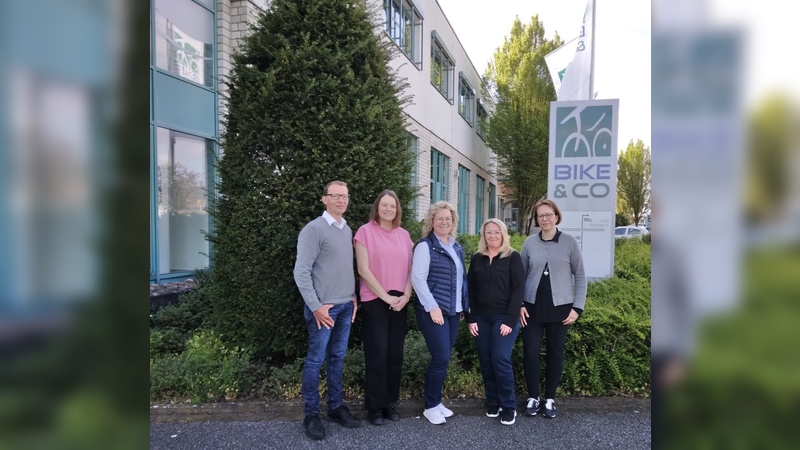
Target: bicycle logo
[(583, 131)]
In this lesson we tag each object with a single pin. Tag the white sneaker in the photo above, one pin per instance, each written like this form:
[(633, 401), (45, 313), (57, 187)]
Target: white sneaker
[(444, 411), (434, 416)]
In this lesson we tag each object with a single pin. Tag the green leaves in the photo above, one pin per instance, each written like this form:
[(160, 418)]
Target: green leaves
[(518, 81), (633, 179), (311, 100)]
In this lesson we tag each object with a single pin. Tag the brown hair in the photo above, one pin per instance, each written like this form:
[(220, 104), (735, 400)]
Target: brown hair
[(336, 182), (545, 202), (375, 214)]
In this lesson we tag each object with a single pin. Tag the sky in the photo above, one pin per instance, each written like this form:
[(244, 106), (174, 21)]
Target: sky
[(622, 53)]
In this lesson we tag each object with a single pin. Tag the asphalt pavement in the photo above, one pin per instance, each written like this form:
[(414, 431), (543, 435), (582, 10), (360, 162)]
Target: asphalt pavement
[(582, 423)]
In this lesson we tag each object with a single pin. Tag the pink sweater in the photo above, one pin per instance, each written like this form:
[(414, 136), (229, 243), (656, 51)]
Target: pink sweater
[(389, 257)]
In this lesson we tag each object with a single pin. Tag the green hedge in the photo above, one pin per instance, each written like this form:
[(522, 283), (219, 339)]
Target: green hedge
[(607, 350)]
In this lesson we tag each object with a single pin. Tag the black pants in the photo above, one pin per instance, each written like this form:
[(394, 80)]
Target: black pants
[(555, 335), (384, 334)]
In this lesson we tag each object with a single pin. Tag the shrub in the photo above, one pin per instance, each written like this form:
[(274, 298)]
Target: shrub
[(205, 371), (173, 325), (299, 116)]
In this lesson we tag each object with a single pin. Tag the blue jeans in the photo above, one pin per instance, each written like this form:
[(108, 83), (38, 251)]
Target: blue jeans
[(326, 344), (494, 354), (440, 340)]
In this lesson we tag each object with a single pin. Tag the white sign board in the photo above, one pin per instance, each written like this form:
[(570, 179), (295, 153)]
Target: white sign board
[(582, 177)]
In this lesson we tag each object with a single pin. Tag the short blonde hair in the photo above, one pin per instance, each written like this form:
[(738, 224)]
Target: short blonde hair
[(427, 224), (505, 247)]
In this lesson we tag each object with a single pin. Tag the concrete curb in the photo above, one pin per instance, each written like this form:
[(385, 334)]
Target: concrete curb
[(266, 411)]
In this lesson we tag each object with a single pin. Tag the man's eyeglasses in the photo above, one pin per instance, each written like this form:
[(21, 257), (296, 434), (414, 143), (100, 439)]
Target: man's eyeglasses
[(338, 196), (547, 216)]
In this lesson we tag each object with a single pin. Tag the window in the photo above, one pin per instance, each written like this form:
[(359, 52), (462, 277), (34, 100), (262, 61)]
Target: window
[(440, 168), (411, 144), (463, 199), (403, 23), (442, 67), (480, 185), (482, 124), (492, 197), (185, 40), (181, 201), (466, 97)]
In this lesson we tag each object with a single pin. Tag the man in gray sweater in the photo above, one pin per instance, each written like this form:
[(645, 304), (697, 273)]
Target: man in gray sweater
[(324, 275)]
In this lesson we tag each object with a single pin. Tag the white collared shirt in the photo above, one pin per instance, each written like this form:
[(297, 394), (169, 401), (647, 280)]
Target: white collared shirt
[(329, 218)]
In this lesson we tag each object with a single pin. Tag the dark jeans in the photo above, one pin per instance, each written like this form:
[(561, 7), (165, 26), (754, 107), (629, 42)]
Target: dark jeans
[(494, 353), (440, 340), (555, 334), (384, 334), (326, 345)]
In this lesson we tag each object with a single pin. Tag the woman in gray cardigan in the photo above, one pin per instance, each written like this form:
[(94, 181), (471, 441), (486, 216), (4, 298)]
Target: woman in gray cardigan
[(555, 294)]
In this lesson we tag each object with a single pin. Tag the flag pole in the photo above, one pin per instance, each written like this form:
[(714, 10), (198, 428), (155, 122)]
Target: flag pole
[(594, 44)]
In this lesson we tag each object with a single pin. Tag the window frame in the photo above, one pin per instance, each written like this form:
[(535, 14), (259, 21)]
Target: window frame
[(480, 186), (407, 34), (464, 175), (466, 99), (481, 120), (446, 64), (440, 179)]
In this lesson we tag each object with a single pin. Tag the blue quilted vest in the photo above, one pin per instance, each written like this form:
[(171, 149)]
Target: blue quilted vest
[(442, 276)]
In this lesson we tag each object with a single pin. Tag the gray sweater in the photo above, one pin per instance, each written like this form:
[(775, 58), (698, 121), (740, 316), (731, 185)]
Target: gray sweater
[(566, 268), (324, 268)]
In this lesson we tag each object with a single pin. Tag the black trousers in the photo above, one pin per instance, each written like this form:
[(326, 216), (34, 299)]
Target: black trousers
[(555, 335), (384, 334)]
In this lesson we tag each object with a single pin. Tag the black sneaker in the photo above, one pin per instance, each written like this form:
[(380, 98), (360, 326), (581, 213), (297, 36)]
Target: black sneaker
[(492, 411), (390, 412), (508, 416), (376, 417), (314, 428), (532, 407), (343, 417), (550, 410)]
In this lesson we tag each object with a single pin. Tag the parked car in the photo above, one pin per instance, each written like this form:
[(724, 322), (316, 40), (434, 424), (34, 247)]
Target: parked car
[(629, 232)]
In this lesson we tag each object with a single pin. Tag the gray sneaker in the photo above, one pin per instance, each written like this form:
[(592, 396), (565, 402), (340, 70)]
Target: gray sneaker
[(550, 410), (532, 407)]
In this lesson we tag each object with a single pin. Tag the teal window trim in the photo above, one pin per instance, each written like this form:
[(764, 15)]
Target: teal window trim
[(413, 148), (482, 121), (492, 198), (480, 187), (153, 211), (442, 67), (212, 154), (214, 47), (466, 99), (440, 169), (463, 199), (403, 25)]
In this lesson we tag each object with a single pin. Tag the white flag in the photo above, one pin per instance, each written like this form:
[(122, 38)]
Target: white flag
[(575, 82), (558, 60)]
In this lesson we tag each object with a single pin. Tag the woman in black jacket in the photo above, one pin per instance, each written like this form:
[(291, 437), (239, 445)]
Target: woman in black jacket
[(496, 283)]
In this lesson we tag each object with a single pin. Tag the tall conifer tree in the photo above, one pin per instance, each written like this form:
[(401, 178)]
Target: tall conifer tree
[(311, 100)]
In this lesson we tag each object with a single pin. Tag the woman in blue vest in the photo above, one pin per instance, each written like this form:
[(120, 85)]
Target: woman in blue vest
[(440, 281)]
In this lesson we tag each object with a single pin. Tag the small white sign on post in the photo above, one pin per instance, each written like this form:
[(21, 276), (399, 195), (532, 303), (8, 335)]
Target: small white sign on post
[(582, 177)]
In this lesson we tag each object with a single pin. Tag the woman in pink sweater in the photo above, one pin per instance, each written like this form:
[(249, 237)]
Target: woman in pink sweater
[(383, 253)]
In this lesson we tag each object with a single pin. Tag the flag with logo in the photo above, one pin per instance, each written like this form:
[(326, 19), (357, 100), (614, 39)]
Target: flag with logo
[(574, 78), (558, 60)]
